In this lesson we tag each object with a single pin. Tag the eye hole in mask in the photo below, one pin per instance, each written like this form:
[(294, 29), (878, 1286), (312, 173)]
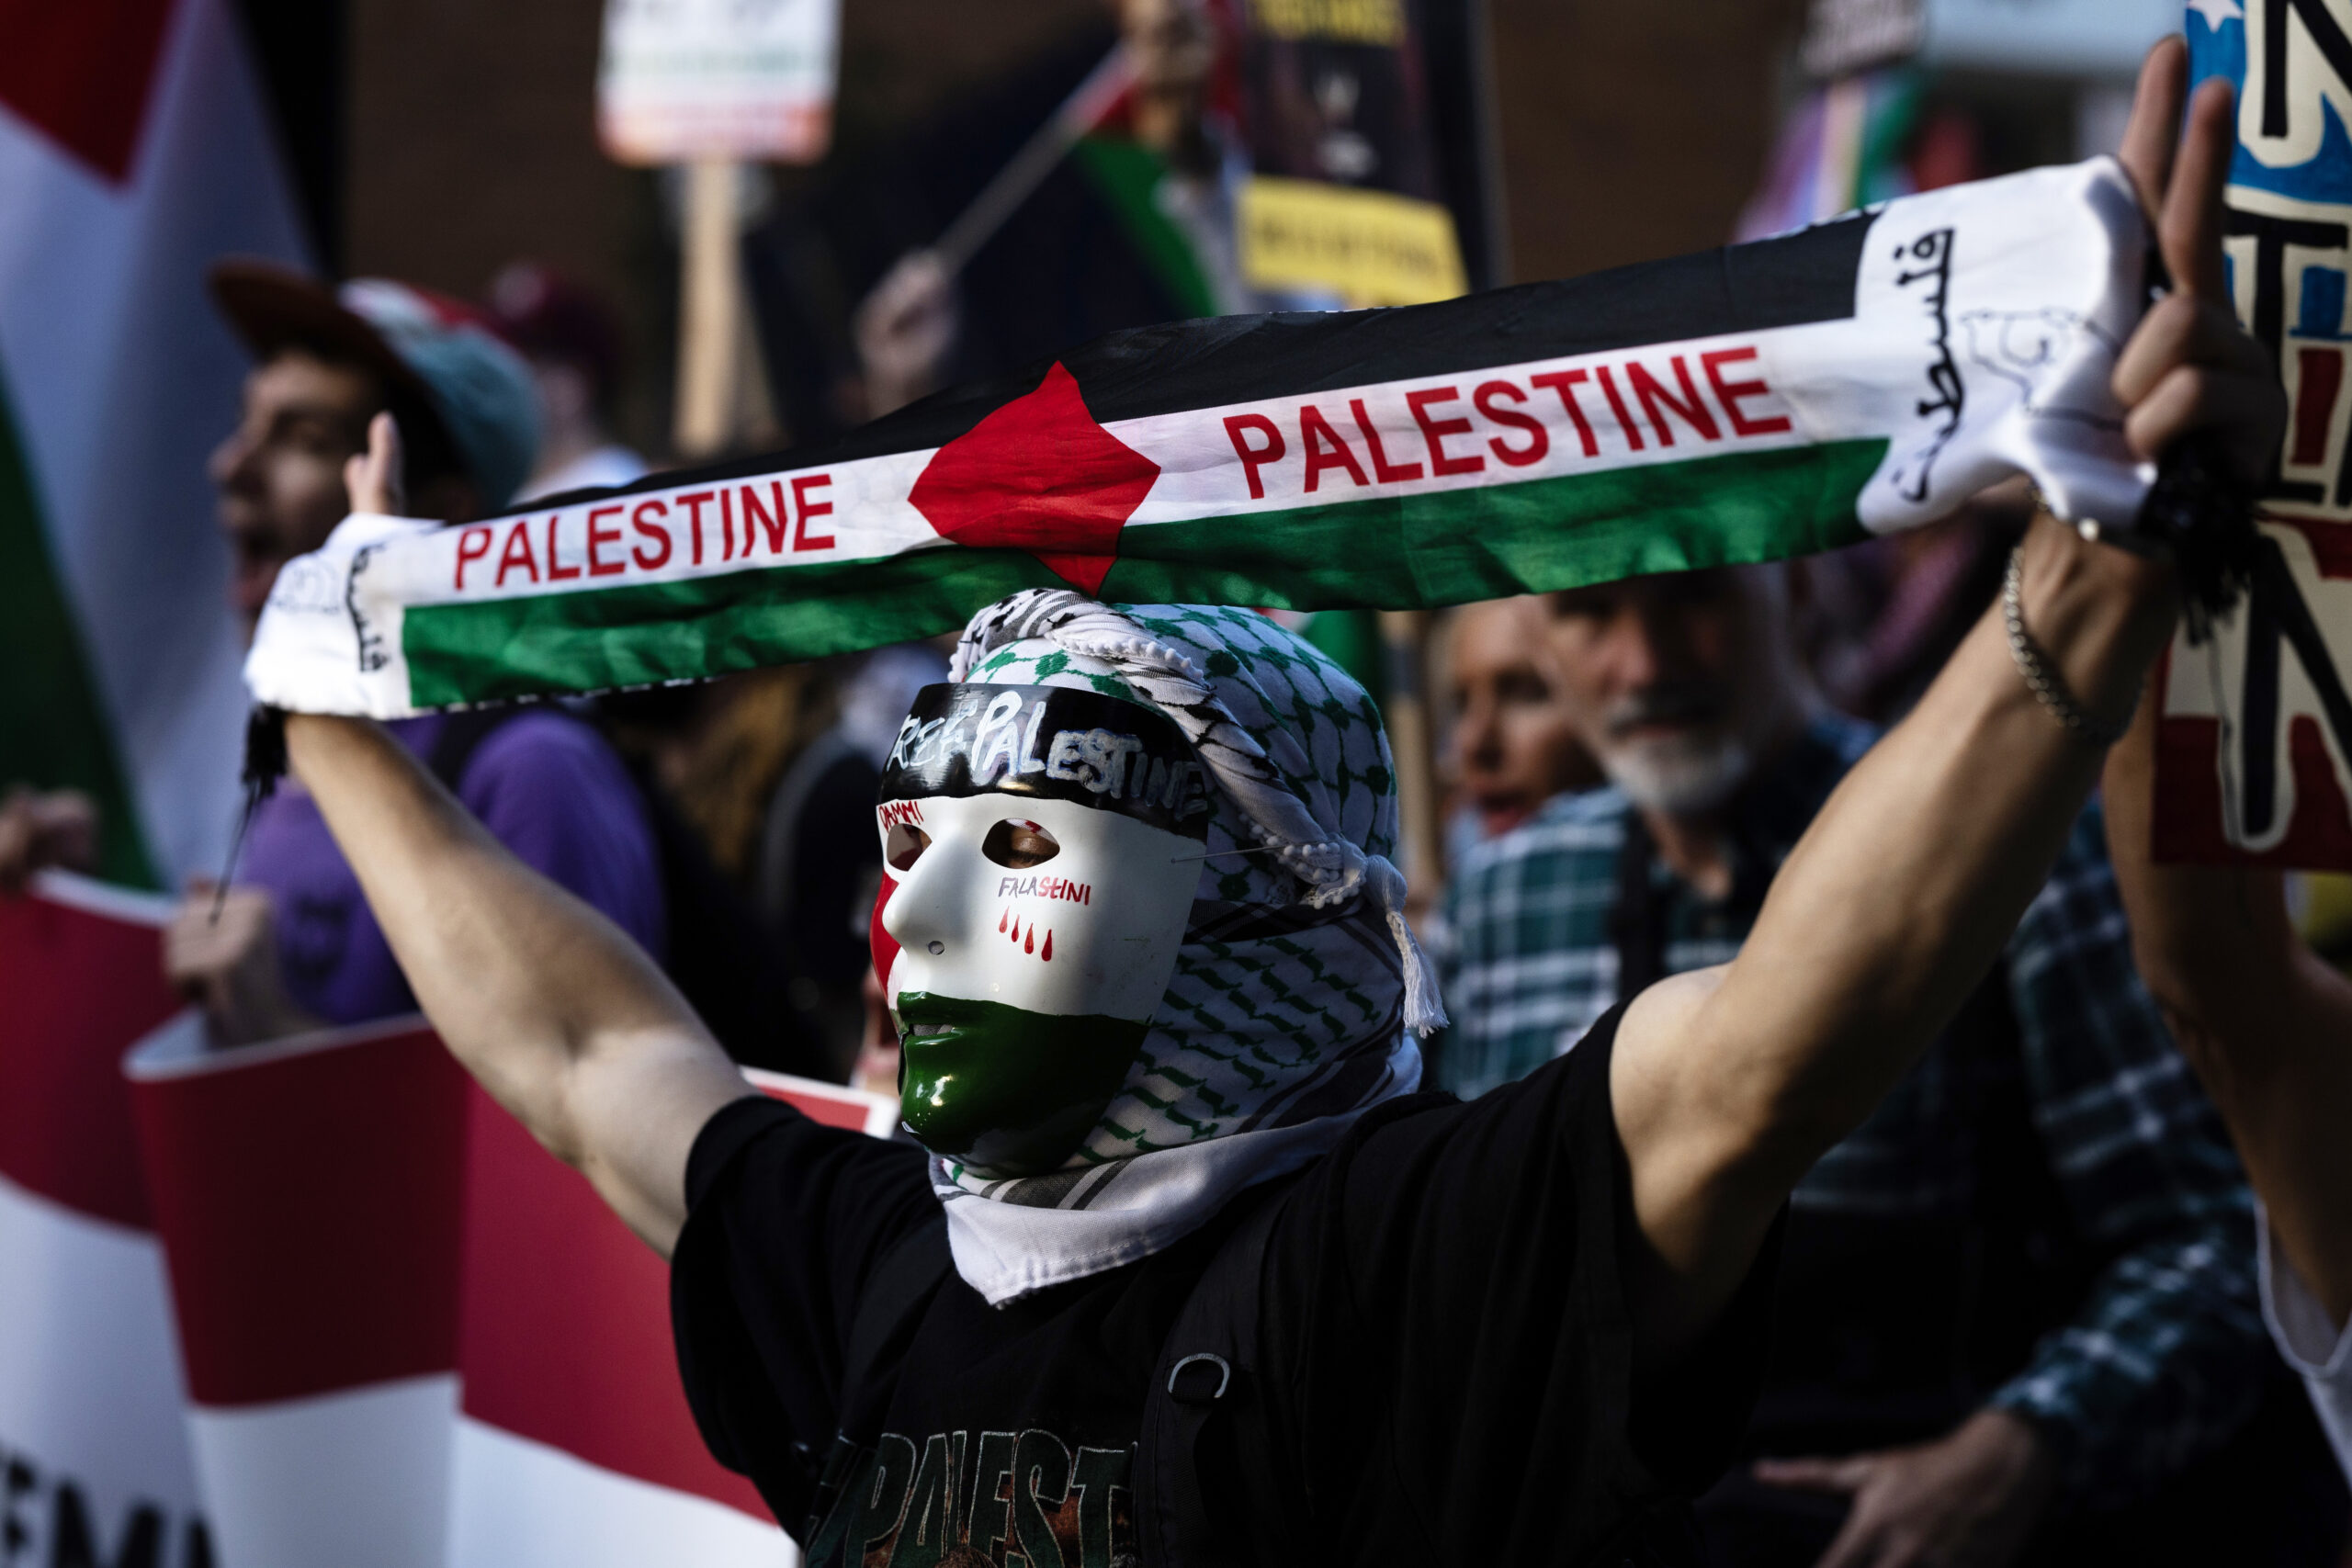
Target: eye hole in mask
[(1018, 845), (905, 846)]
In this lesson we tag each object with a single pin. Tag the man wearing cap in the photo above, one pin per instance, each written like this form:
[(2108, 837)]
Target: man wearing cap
[(294, 946)]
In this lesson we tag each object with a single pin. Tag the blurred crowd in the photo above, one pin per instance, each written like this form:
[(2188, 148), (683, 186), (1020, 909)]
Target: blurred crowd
[(2019, 1305)]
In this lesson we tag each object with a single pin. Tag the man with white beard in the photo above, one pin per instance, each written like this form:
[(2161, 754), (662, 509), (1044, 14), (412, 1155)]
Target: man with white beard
[(2017, 1312)]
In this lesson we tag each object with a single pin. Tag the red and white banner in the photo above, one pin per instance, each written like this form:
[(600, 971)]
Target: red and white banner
[(412, 1337), (93, 1456), (310, 1195), (575, 1445)]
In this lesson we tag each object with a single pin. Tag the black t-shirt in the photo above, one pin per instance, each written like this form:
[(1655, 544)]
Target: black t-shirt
[(1443, 1351)]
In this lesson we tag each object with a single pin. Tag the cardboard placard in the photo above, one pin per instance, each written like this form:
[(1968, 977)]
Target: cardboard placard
[(683, 80)]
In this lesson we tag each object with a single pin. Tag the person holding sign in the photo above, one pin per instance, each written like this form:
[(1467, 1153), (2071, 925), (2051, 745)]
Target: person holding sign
[(1187, 1270)]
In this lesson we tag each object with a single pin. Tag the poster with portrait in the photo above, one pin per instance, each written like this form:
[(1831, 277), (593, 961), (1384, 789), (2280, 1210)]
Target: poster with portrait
[(1345, 194)]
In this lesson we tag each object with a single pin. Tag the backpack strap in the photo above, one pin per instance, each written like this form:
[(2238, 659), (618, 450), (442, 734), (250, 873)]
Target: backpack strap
[(1204, 1384)]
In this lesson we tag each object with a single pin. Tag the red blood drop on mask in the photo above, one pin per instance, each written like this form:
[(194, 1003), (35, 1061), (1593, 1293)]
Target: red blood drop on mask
[(1031, 945), (1001, 919), (1048, 954)]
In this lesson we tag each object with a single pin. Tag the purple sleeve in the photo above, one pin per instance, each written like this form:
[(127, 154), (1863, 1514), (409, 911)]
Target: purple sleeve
[(550, 789)]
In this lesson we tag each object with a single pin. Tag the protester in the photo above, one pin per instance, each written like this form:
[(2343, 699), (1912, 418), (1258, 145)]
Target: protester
[(1513, 1329), (1514, 744), (1963, 1269), (906, 329), (293, 945), (1680, 685), (1172, 49), (572, 341), (760, 791), (2023, 1290), (704, 757), (1180, 109), (2266, 1023)]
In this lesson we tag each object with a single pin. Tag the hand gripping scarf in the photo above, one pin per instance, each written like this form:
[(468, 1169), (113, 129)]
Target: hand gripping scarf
[(1739, 405), (1299, 988)]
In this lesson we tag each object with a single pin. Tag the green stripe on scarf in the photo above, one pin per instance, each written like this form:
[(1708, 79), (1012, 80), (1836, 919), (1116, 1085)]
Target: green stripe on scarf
[(1453, 546), (702, 627), (1431, 550)]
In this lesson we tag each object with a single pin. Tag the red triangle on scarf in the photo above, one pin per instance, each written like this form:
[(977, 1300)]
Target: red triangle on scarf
[(1039, 475)]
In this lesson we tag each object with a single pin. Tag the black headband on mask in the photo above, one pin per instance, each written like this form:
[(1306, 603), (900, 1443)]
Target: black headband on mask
[(1054, 741)]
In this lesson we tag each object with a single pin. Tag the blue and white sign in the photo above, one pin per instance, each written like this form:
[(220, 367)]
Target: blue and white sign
[(2259, 723)]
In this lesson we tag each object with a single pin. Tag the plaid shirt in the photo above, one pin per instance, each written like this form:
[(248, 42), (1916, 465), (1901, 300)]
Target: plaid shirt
[(2162, 1362)]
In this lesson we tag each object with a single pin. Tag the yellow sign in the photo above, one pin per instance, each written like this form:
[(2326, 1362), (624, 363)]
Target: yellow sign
[(1370, 246), (1380, 22)]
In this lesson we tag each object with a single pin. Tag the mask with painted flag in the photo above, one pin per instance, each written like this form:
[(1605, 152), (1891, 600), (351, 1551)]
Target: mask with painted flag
[(1043, 845)]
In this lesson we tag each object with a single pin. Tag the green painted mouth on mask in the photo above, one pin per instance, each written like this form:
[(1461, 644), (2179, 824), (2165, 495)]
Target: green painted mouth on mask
[(1006, 1091)]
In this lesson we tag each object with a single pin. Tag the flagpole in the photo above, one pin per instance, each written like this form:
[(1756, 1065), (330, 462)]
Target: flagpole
[(1046, 146), (710, 310)]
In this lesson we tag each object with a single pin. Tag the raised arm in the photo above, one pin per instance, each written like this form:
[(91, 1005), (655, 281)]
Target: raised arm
[(2266, 1023), (563, 1019), (1729, 1083)]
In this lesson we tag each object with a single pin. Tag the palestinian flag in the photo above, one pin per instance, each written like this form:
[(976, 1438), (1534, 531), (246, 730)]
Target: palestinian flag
[(134, 150), (1739, 405)]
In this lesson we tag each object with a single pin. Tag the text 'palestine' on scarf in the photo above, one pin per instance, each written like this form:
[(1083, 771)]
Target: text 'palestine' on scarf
[(1742, 404)]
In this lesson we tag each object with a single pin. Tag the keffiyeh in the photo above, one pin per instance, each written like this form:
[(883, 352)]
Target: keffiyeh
[(1299, 988)]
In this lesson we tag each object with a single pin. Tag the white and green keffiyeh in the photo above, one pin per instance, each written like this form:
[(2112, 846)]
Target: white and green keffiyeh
[(1299, 989)]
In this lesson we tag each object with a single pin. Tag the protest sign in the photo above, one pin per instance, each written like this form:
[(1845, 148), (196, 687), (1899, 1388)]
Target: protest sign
[(2254, 757), (93, 1452), (682, 80), (713, 84), (1343, 197)]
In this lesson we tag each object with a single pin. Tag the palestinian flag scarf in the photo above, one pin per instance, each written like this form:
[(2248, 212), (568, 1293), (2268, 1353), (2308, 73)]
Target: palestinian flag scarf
[(1742, 404)]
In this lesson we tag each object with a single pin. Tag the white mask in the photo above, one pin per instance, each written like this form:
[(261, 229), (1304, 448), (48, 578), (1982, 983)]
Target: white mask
[(1043, 846)]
